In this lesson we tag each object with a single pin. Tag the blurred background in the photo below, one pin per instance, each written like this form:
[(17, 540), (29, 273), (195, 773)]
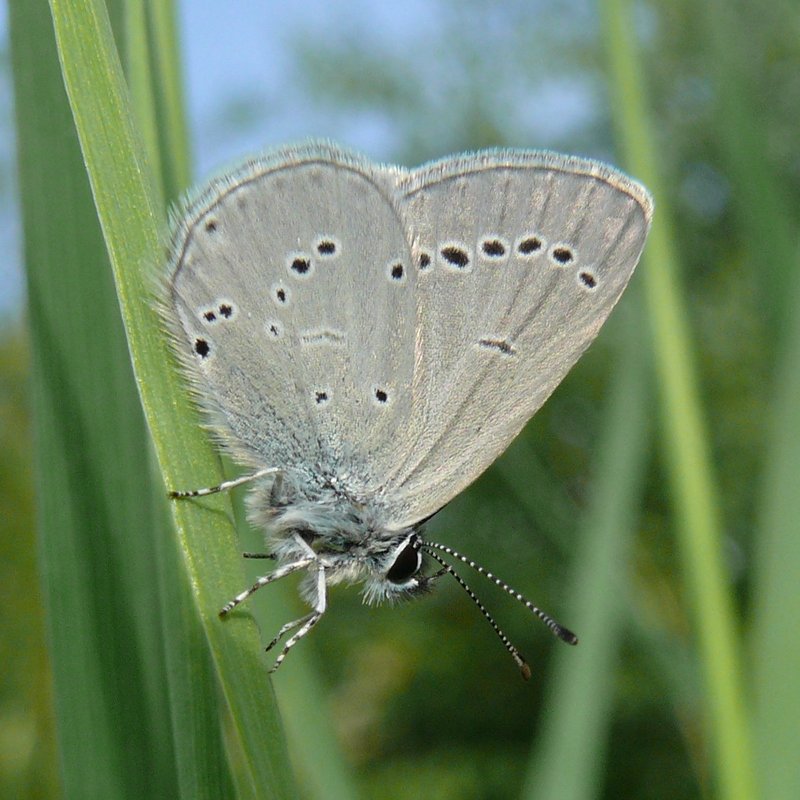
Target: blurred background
[(594, 510)]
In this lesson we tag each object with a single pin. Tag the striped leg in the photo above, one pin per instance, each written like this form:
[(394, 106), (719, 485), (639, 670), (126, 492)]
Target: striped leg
[(225, 485), (279, 573), (286, 628), (306, 623)]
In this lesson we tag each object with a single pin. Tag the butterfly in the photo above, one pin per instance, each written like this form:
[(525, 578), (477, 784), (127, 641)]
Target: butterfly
[(366, 340)]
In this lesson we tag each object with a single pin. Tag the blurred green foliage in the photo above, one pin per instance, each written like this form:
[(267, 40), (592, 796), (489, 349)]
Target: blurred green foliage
[(27, 744)]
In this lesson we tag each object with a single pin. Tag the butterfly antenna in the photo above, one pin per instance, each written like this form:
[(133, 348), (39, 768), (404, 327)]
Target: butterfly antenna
[(524, 669), (563, 633)]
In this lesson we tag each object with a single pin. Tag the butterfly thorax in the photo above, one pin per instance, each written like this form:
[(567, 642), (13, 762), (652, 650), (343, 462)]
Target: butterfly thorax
[(350, 537)]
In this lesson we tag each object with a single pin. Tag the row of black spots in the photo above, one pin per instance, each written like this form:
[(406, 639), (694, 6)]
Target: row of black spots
[(323, 396), (529, 245), (560, 254), (224, 310), (501, 346), (457, 257), (493, 248), (302, 265)]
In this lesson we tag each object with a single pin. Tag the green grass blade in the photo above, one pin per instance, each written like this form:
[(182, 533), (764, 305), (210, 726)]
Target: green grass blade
[(140, 82), (766, 213), (95, 535), (200, 756), (168, 95), (775, 636), (686, 440), (116, 168), (761, 201), (568, 760)]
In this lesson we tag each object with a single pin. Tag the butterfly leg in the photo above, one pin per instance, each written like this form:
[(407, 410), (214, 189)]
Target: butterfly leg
[(225, 485), (279, 573), (286, 628), (305, 623)]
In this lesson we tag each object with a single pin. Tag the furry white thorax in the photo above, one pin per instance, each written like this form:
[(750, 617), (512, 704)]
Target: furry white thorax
[(351, 539)]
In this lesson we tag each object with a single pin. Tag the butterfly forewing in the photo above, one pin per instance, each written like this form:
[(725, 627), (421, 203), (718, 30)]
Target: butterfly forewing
[(528, 255)]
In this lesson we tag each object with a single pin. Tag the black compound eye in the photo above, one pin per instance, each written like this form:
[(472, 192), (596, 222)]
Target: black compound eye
[(406, 564)]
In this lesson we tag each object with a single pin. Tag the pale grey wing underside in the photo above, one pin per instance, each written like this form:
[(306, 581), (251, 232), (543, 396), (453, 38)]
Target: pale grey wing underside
[(294, 289), (520, 259), (393, 329)]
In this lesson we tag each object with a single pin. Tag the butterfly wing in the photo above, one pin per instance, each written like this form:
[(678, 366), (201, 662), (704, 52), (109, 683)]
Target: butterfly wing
[(520, 258), (291, 295), (395, 329)]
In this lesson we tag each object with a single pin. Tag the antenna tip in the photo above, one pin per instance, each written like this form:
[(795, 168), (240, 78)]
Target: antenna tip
[(566, 635), (524, 669)]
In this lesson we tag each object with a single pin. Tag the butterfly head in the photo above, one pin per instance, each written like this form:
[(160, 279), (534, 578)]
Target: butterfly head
[(399, 574)]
